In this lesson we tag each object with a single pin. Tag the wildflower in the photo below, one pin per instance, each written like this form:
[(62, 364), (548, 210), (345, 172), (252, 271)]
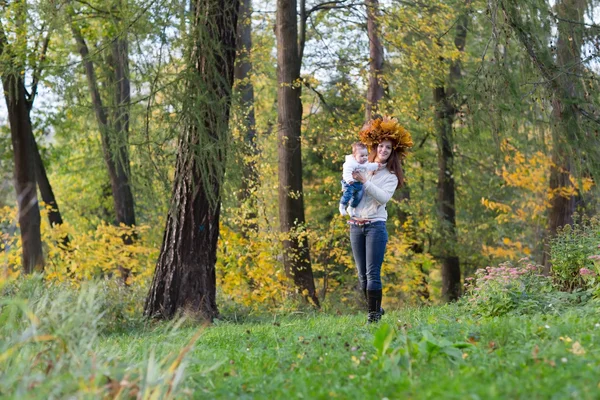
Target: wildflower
[(597, 325), (564, 359), (586, 272), (595, 257), (547, 326)]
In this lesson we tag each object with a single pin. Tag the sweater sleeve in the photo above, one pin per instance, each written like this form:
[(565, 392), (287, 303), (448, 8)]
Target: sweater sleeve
[(382, 193)]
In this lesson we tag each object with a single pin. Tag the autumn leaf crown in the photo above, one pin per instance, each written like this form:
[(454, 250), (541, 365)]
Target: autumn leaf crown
[(386, 128)]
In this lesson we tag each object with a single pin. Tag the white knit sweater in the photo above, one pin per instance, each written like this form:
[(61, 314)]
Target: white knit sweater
[(379, 188)]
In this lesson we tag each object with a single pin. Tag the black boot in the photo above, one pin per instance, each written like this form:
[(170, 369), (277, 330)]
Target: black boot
[(381, 310), (374, 301)]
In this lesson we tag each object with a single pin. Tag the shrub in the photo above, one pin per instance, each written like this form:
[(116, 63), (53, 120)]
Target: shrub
[(499, 290), (570, 251)]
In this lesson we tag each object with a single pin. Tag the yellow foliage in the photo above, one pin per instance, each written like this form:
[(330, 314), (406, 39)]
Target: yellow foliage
[(530, 174), (91, 254)]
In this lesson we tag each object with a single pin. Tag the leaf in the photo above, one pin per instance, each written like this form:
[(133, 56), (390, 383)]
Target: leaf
[(383, 339)]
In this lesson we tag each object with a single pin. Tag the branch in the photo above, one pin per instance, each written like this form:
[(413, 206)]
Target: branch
[(331, 5), (37, 70), (332, 110), (98, 10), (302, 30)]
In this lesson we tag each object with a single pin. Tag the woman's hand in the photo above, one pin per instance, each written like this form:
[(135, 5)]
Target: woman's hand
[(358, 176)]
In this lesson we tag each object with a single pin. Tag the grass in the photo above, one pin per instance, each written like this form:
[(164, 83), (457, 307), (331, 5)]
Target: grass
[(65, 344), (325, 356)]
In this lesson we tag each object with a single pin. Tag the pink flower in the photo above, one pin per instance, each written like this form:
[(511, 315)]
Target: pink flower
[(595, 257), (586, 272)]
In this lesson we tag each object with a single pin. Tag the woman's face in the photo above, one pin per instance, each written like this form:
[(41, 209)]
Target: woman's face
[(384, 149)]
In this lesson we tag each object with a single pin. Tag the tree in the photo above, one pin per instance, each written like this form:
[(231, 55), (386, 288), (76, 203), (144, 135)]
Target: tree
[(375, 89), (26, 154), (563, 77), (185, 278), (445, 98), (566, 118), (296, 255), (21, 134), (113, 126), (242, 74)]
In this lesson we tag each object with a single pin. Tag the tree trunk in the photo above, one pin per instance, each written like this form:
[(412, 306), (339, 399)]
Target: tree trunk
[(296, 256), (54, 216), (24, 160), (444, 97), (185, 278), (375, 90), (115, 138), (566, 121), (242, 74)]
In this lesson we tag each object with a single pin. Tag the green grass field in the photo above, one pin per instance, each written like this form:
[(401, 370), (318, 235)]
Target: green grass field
[(72, 344), (324, 356)]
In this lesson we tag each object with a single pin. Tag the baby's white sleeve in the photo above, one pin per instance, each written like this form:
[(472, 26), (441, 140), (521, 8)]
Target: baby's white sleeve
[(347, 172)]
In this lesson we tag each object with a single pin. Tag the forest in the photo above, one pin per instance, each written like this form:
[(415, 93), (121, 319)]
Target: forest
[(171, 179)]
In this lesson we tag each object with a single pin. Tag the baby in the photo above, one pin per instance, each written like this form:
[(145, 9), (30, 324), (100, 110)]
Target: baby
[(353, 190)]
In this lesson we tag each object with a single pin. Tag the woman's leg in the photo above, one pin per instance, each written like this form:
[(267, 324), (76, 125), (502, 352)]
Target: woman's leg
[(375, 244), (357, 241), (376, 238)]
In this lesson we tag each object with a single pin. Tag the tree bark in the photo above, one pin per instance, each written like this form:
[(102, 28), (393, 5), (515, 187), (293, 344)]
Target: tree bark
[(24, 161), (185, 277), (114, 138), (296, 256), (242, 75), (444, 97), (375, 89)]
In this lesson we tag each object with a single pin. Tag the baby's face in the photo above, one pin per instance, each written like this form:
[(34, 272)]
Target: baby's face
[(361, 155)]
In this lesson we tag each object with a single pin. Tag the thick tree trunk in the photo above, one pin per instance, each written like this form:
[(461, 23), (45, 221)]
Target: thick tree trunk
[(444, 97), (296, 256), (185, 278), (114, 139), (242, 74), (24, 160), (375, 90)]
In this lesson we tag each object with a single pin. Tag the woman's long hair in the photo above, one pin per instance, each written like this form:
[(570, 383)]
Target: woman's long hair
[(394, 164)]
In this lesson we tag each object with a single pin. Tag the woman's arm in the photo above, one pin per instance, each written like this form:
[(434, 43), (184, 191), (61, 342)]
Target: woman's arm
[(383, 193)]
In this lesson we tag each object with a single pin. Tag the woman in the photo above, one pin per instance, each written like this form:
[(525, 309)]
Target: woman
[(368, 234)]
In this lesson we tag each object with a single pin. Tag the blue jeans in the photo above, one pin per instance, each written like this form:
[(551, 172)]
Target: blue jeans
[(368, 247), (351, 191)]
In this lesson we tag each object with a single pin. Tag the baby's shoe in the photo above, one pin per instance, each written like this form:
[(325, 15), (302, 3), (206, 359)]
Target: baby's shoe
[(343, 210)]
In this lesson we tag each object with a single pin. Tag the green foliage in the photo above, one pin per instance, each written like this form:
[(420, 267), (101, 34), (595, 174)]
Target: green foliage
[(496, 291), (570, 251)]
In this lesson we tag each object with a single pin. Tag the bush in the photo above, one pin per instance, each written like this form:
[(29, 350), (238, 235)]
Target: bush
[(499, 290), (570, 251)]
